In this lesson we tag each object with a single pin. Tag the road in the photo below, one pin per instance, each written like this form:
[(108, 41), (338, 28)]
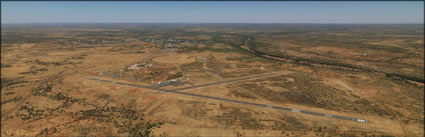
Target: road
[(232, 100)]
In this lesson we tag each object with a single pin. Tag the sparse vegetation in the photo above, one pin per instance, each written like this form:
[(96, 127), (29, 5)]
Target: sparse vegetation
[(348, 70)]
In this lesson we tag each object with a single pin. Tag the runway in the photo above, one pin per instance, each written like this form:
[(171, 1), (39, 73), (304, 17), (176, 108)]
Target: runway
[(176, 91)]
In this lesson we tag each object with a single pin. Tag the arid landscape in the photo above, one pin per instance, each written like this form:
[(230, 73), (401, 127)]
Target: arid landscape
[(212, 80)]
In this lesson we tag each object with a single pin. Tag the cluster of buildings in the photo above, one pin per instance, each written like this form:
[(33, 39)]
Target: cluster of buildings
[(112, 41), (172, 41), (361, 54), (139, 66), (174, 82)]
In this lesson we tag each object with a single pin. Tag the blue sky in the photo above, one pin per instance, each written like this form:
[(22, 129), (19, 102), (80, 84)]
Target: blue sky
[(212, 12)]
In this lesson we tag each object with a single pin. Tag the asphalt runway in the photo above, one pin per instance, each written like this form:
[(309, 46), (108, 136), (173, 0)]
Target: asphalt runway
[(232, 100)]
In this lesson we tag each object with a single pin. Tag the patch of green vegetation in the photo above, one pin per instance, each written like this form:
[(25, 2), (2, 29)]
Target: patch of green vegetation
[(128, 121), (14, 99), (404, 77), (34, 70), (5, 66)]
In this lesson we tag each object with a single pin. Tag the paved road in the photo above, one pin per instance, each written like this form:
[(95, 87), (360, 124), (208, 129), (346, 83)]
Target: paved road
[(232, 100)]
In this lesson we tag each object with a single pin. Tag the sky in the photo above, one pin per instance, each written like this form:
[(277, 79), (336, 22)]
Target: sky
[(213, 12)]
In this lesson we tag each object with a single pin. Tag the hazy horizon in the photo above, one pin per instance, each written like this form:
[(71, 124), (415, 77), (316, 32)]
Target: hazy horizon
[(217, 23), (214, 12)]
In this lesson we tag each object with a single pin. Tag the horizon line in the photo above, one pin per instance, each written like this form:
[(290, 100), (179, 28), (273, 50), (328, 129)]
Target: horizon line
[(193, 23)]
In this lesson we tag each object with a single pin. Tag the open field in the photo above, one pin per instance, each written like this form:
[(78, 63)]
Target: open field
[(212, 80)]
